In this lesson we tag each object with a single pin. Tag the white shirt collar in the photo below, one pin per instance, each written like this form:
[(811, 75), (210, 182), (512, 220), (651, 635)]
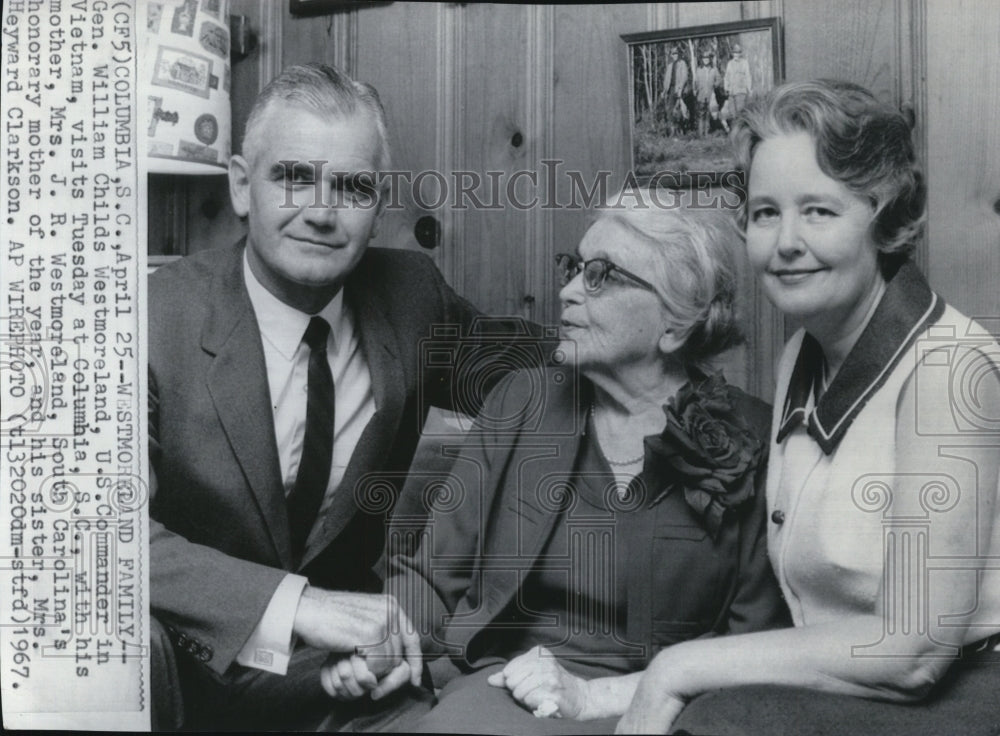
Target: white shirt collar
[(283, 326)]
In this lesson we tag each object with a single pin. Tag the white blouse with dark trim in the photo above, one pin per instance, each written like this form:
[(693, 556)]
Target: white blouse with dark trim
[(832, 535)]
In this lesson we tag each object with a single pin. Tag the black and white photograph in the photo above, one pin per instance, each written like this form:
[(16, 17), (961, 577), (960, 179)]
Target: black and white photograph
[(500, 368), (687, 86)]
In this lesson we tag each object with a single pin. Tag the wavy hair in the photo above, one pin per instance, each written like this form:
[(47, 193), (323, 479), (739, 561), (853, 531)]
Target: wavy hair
[(861, 142)]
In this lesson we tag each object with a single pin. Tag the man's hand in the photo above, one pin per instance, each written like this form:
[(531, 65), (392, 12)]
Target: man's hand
[(372, 627), (541, 684)]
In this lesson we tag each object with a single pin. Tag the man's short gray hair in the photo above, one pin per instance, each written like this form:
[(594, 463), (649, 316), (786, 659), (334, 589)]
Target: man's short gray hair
[(321, 89)]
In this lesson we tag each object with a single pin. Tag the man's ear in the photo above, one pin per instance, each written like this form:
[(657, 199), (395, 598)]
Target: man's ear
[(239, 185), (380, 211)]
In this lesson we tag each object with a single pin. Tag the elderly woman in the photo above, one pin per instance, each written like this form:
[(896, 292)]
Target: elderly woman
[(883, 480), (601, 510)]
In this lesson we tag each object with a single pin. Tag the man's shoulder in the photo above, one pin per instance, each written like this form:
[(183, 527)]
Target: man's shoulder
[(407, 285), (194, 273), (390, 265), (182, 290)]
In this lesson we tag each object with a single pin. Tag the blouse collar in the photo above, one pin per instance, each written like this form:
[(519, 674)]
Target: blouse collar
[(907, 308)]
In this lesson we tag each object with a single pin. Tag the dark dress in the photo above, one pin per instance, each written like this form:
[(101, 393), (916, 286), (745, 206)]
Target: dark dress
[(542, 549)]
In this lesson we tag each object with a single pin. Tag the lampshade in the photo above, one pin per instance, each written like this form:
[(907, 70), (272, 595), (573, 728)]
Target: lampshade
[(185, 78)]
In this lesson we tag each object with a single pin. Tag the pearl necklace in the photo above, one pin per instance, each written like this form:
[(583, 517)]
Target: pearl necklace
[(613, 463)]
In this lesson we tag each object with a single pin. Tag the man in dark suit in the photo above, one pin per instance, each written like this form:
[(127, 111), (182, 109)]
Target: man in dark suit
[(283, 372)]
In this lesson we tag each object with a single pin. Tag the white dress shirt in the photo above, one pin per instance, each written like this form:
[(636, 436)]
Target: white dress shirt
[(286, 358)]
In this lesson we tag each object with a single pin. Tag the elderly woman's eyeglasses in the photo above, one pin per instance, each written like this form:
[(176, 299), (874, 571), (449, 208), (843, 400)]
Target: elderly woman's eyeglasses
[(595, 271)]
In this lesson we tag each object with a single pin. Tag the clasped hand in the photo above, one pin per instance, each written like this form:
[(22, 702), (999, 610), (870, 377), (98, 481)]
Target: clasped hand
[(537, 681), (374, 647), (350, 678)]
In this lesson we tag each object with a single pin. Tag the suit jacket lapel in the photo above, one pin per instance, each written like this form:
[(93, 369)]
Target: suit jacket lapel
[(378, 340), (527, 515), (541, 469), (539, 495), (639, 530), (237, 383)]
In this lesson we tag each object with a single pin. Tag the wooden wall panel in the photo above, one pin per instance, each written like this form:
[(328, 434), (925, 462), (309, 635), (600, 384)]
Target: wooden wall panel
[(450, 135), (250, 75), (494, 116), (964, 156), (329, 39), (697, 14), (211, 221), (855, 40), (681, 15), (540, 146), (590, 117), (410, 89), (753, 9)]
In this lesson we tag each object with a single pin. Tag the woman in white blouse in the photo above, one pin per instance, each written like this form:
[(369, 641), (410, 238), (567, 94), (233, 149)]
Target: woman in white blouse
[(883, 480)]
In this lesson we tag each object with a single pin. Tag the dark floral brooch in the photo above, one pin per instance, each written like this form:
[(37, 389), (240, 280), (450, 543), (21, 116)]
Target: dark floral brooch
[(710, 452)]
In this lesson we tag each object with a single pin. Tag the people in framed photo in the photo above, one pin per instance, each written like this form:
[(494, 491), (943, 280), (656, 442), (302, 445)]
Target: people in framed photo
[(686, 86)]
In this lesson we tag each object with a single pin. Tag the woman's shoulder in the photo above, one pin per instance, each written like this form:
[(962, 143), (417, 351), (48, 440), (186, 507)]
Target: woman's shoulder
[(955, 329), (951, 348), (953, 377), (536, 380), (530, 393)]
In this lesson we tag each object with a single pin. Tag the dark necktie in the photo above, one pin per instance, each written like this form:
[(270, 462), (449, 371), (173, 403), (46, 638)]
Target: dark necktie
[(317, 445)]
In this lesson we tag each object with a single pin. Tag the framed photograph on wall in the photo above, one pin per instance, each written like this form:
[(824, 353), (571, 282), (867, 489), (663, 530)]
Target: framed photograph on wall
[(685, 87), (325, 7)]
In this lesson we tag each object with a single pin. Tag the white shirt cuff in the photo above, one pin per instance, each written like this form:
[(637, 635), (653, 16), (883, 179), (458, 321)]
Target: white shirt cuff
[(270, 645)]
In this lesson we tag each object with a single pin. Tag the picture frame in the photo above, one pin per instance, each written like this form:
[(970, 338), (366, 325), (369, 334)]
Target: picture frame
[(326, 7), (685, 87)]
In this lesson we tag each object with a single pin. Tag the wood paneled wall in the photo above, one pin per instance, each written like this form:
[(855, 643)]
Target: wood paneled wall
[(963, 130), (479, 87)]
